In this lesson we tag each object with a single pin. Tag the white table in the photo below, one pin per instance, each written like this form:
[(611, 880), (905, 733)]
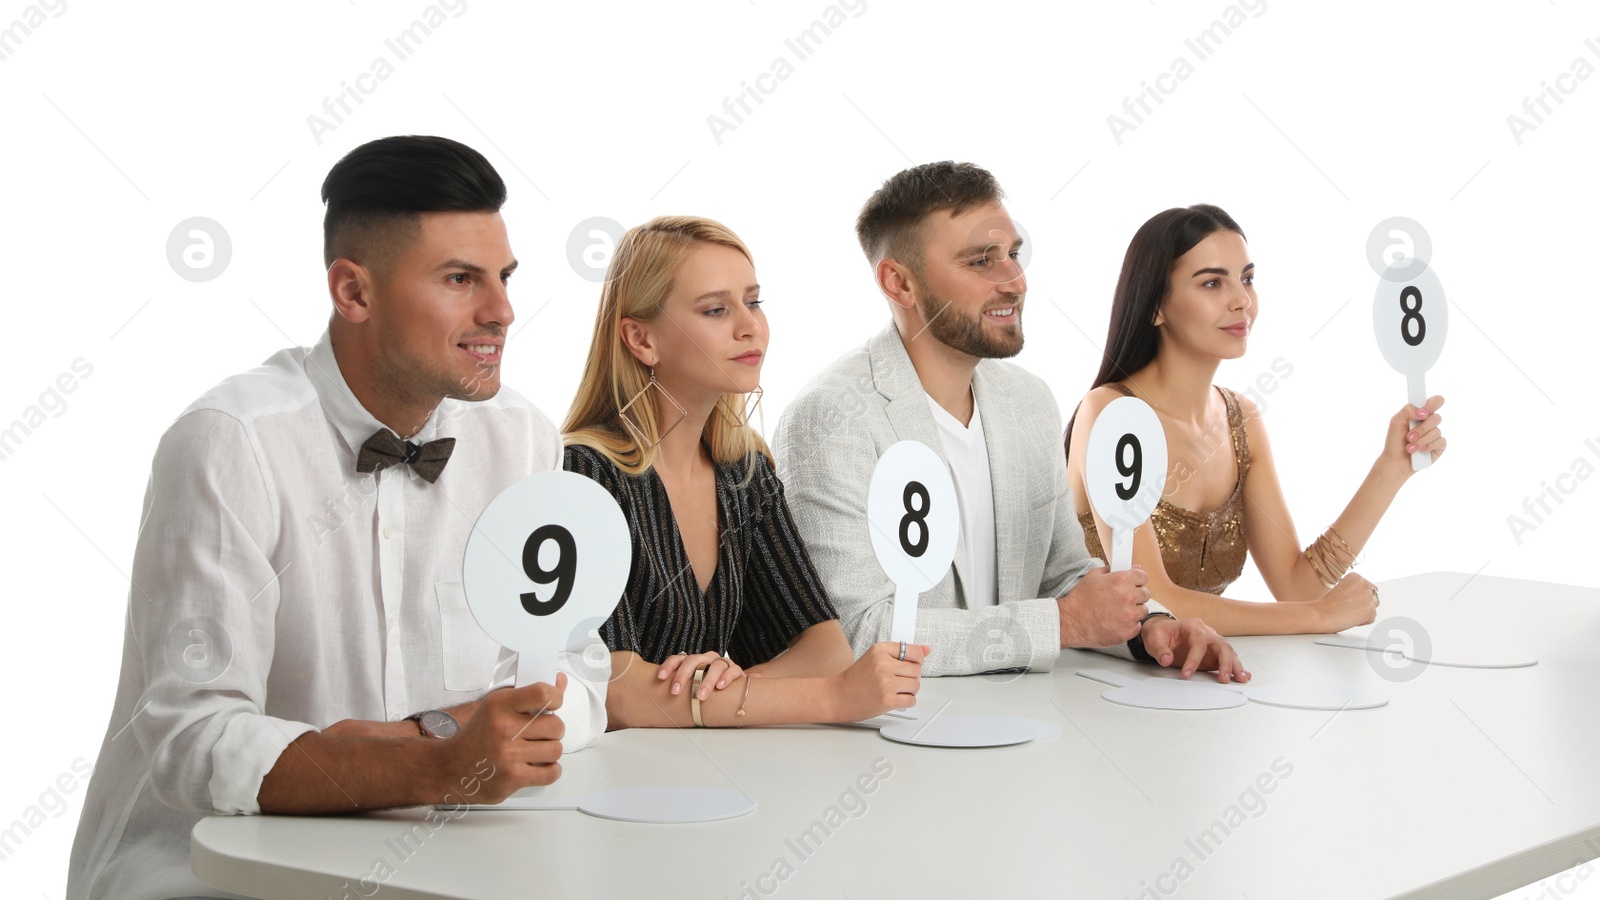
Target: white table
[(1470, 783)]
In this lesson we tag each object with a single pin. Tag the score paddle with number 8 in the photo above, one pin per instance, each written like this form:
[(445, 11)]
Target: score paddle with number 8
[(914, 521), (1409, 317), (1125, 472)]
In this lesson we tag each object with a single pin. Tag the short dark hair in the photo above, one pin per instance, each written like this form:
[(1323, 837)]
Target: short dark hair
[(889, 223), (378, 191)]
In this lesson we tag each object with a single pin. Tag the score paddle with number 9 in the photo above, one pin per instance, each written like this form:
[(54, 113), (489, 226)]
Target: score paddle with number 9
[(1409, 317), (547, 554), (913, 519), (1125, 471)]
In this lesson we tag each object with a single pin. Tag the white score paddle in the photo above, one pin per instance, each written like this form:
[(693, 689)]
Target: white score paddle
[(549, 553), (545, 564), (913, 519), (1125, 472), (1409, 317)]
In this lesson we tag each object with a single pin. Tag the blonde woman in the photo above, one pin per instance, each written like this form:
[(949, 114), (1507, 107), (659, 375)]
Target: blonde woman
[(721, 589)]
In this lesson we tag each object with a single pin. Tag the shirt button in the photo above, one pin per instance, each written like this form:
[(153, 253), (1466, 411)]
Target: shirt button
[(387, 532)]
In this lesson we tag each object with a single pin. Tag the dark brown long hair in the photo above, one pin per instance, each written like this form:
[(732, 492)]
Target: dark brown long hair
[(1133, 338)]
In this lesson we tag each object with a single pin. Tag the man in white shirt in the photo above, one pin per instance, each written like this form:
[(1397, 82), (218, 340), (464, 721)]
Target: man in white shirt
[(1023, 586), (297, 638)]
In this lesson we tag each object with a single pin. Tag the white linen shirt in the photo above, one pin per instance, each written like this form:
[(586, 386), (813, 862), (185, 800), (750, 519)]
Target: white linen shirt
[(277, 591)]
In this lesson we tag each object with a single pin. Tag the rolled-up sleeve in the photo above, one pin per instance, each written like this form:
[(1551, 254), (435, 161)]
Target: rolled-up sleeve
[(202, 611)]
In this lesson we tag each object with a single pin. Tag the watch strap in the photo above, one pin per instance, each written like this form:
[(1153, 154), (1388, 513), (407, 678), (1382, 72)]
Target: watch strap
[(1136, 643)]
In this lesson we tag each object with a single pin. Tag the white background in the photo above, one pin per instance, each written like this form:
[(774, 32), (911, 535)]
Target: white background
[(1309, 124)]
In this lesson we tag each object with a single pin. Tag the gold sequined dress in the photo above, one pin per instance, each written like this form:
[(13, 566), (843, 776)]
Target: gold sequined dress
[(1201, 551)]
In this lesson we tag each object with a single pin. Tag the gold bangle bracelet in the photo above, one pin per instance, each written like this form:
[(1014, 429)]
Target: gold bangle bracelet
[(1324, 558), (746, 699), (694, 696), (1342, 543), (1316, 569)]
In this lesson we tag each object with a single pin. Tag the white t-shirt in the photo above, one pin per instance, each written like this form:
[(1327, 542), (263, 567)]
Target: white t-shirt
[(968, 455)]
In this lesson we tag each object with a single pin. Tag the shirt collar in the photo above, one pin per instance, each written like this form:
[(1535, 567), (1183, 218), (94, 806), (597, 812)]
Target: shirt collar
[(352, 420)]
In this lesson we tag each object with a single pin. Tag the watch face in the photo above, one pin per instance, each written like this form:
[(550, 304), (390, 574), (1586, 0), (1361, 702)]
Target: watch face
[(439, 723)]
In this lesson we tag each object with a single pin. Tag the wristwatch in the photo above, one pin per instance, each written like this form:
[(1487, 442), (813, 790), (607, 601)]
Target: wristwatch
[(435, 723), (1136, 643)]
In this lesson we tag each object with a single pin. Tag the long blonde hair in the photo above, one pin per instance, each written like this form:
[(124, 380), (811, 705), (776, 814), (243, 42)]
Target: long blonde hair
[(637, 285)]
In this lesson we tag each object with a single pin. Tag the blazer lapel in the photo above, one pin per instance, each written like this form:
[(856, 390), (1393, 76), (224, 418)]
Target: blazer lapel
[(912, 420), (1000, 433)]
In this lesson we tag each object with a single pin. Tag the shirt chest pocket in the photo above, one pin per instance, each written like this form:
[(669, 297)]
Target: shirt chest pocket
[(469, 655)]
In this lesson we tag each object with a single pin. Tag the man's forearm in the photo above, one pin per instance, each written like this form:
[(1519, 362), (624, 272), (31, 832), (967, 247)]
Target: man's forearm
[(328, 773), (404, 728), (291, 793)]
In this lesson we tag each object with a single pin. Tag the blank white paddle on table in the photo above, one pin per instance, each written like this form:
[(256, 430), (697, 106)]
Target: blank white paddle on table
[(545, 565), (653, 805), (1176, 694), (914, 520), (1409, 639)]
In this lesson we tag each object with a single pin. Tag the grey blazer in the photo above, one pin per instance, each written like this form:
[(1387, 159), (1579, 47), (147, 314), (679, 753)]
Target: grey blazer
[(827, 443)]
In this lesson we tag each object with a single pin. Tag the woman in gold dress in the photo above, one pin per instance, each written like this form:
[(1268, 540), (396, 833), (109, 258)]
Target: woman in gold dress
[(1185, 301)]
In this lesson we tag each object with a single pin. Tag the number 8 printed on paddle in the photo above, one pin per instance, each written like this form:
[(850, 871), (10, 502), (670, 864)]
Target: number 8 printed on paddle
[(1410, 317), (915, 517), (548, 553), (913, 520), (1125, 471)]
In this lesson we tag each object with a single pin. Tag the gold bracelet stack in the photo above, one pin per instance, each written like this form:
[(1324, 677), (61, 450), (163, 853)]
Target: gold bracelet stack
[(694, 696), (1324, 558)]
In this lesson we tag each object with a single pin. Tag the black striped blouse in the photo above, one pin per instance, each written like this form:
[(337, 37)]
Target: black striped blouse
[(763, 593)]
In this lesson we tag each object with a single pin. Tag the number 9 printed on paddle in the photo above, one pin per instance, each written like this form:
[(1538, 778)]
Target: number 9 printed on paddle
[(1125, 471), (547, 553), (561, 573)]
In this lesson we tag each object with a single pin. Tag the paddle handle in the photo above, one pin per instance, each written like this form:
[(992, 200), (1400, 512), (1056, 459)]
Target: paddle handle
[(536, 668), (1419, 395), (903, 627), (1121, 549)]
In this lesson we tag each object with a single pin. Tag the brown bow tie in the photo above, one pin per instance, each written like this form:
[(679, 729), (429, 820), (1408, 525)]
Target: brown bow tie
[(385, 449)]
